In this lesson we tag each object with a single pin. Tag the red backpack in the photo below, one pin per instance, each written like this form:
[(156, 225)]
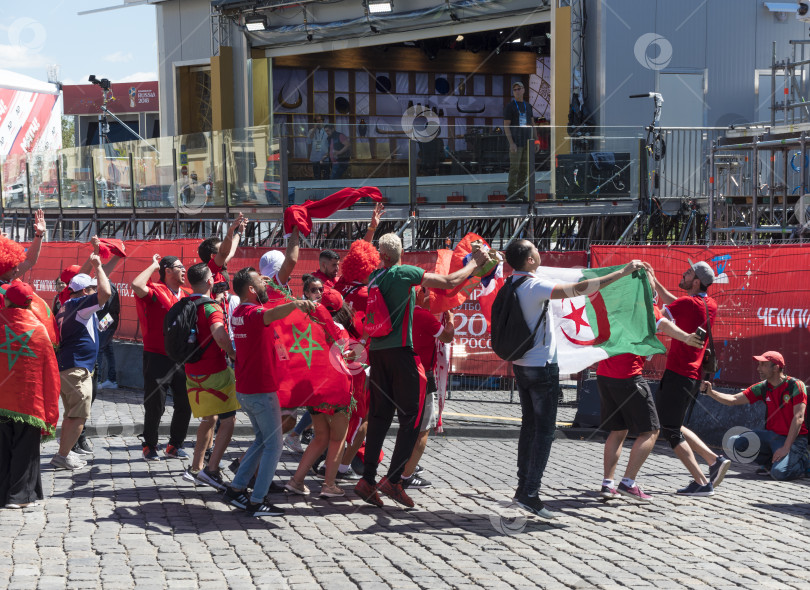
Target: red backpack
[(378, 320)]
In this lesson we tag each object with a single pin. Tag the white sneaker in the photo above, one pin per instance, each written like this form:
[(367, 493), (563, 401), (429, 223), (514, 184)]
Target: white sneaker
[(293, 443), (69, 462), (108, 385)]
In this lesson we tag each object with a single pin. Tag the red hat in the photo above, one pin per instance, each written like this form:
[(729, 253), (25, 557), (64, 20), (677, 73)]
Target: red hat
[(772, 356), (69, 273), (20, 294), (111, 247), (332, 300)]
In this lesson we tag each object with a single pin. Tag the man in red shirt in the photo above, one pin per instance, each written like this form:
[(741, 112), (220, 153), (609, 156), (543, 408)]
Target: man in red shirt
[(153, 301), (681, 380), (781, 448), (328, 264), (210, 382), (216, 253), (426, 331), (627, 404), (256, 389)]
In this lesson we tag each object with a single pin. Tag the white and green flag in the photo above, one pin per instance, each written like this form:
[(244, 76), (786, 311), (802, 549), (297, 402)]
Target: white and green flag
[(614, 320)]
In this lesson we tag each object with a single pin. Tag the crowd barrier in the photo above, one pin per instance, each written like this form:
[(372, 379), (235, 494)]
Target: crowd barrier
[(763, 302)]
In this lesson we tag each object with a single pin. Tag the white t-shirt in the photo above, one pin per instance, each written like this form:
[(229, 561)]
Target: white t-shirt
[(533, 294)]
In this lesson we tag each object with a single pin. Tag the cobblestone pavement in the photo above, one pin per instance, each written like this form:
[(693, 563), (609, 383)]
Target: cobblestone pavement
[(123, 523), (120, 411)]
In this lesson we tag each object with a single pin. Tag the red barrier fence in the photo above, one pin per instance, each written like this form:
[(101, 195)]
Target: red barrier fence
[(762, 294), (764, 304)]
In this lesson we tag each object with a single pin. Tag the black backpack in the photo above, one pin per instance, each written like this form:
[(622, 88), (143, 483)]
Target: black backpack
[(180, 331), (511, 338)]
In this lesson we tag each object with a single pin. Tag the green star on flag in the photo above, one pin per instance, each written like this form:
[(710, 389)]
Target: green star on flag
[(305, 337), (23, 350)]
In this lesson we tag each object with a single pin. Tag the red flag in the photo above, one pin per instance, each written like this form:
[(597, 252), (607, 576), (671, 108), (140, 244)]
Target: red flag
[(309, 364), (301, 215), (29, 373), (448, 262), (43, 313)]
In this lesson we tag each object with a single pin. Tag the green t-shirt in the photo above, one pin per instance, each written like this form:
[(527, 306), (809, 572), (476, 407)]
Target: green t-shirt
[(396, 286)]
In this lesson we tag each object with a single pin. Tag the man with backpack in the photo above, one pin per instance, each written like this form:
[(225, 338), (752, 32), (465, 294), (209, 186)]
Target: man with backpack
[(152, 301), (192, 326), (394, 380), (536, 371), (681, 380)]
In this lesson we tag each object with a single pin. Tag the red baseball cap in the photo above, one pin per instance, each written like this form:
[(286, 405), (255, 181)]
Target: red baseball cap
[(332, 300), (772, 356), (20, 294)]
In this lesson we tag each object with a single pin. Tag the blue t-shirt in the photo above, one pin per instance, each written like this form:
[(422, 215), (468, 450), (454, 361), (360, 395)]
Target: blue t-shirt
[(78, 331)]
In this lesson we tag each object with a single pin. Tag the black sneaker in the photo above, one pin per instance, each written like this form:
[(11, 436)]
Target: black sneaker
[(150, 453), (276, 488), (237, 499), (85, 445), (348, 475), (212, 478), (306, 437), (535, 505), (358, 467), (695, 489), (415, 482), (77, 448), (320, 472), (234, 466), (418, 469), (263, 509), (718, 471), (208, 452)]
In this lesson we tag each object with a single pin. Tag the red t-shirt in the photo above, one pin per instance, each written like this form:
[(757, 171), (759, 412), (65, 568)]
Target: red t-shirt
[(253, 342), (426, 328), (689, 314), (214, 358), (354, 293), (327, 282), (779, 403), (152, 308), (624, 366), (216, 270)]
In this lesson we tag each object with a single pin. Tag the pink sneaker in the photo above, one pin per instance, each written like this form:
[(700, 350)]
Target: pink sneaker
[(635, 492), (609, 493)]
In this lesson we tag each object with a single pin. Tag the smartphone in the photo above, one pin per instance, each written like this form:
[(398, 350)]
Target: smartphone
[(701, 333)]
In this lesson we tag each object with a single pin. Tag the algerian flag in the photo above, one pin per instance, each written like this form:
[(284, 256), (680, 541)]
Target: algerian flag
[(614, 320)]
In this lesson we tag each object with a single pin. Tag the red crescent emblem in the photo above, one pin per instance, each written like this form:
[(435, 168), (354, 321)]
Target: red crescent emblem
[(602, 323)]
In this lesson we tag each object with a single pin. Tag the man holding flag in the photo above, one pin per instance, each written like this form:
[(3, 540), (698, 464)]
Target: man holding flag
[(537, 373)]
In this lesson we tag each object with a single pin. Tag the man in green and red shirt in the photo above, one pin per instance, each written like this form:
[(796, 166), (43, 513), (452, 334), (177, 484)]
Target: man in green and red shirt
[(782, 446), (210, 382), (394, 380), (152, 302)]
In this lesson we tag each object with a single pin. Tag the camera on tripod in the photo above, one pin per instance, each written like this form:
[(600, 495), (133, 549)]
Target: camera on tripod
[(104, 82)]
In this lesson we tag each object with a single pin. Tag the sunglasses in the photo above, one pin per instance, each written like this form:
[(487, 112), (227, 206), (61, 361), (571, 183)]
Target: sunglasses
[(316, 290)]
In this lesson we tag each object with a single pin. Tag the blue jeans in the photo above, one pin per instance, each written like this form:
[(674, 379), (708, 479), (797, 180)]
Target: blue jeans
[(792, 466), (265, 451), (338, 170), (304, 423), (539, 390)]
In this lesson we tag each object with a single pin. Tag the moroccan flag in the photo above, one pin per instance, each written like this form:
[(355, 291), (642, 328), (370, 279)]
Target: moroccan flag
[(29, 373), (308, 362), (617, 319), (43, 313)]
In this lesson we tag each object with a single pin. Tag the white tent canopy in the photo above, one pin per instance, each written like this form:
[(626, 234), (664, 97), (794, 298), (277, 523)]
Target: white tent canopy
[(16, 81)]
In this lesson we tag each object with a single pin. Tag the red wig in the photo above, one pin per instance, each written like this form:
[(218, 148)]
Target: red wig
[(361, 260), (11, 254)]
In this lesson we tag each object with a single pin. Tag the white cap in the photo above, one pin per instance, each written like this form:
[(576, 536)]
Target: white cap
[(270, 263), (81, 281)]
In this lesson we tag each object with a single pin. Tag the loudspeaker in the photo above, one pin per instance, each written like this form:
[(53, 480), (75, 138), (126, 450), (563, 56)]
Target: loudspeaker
[(588, 405)]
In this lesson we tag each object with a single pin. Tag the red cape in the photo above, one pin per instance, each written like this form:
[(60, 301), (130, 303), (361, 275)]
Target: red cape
[(29, 373)]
